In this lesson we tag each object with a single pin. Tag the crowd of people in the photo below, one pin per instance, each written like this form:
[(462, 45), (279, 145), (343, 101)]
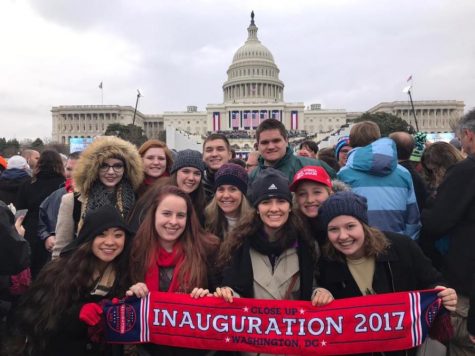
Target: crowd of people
[(115, 221)]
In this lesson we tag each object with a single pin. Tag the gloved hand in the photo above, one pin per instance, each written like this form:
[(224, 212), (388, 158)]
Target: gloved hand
[(90, 314)]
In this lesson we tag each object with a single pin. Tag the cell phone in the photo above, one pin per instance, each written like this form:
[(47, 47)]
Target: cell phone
[(20, 213)]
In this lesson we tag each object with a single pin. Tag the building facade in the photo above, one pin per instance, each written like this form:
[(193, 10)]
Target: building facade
[(252, 92)]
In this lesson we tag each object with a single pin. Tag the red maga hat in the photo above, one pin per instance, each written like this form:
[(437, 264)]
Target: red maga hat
[(313, 173)]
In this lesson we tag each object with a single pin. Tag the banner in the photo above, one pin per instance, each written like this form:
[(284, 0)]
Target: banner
[(384, 322), (216, 121), (294, 120)]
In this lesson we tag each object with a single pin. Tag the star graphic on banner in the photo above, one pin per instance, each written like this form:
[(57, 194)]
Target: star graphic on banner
[(302, 311), (246, 309), (324, 343), (228, 339)]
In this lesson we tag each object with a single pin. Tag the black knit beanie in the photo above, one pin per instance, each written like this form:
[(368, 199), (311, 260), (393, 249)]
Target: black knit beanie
[(270, 183), (96, 222)]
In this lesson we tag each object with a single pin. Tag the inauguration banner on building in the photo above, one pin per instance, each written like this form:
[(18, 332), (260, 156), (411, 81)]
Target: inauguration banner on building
[(385, 322)]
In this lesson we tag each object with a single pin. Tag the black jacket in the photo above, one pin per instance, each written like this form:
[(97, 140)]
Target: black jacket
[(208, 184), (10, 182), (14, 250), (48, 214), (30, 196), (420, 188), (402, 268), (453, 214), (14, 256)]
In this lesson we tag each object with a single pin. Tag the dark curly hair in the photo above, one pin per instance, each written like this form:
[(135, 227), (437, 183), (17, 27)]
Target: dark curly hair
[(60, 285)]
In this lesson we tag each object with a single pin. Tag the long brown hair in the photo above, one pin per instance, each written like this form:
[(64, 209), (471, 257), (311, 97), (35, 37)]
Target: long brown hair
[(198, 197), (251, 223), (375, 243), (435, 161), (197, 244), (50, 161)]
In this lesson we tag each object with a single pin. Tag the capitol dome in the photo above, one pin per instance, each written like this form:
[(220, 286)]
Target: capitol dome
[(253, 75)]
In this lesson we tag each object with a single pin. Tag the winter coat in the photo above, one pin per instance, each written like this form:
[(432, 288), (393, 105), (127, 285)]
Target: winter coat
[(453, 214), (420, 187), (85, 175), (250, 273), (30, 196), (48, 214), (14, 256), (208, 184), (402, 267), (14, 250), (290, 164), (373, 172), (86, 171), (72, 337), (10, 181)]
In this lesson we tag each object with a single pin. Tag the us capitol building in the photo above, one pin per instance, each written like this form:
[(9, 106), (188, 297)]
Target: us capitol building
[(252, 92)]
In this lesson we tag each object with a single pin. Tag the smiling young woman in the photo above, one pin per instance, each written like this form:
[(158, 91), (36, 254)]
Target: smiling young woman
[(171, 252), (229, 204), (54, 315), (157, 161), (359, 260), (269, 254), (108, 173)]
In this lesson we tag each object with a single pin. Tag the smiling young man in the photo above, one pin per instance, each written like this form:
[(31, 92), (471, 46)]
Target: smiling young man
[(273, 145), (216, 152)]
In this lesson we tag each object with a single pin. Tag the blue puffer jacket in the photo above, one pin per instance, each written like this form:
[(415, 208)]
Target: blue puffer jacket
[(373, 172)]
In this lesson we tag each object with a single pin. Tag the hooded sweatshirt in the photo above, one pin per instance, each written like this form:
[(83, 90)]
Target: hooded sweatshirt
[(10, 182), (373, 172)]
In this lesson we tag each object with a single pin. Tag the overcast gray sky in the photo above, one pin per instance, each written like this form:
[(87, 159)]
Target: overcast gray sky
[(344, 54)]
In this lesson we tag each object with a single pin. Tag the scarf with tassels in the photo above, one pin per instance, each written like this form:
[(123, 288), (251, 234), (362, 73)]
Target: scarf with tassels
[(165, 259)]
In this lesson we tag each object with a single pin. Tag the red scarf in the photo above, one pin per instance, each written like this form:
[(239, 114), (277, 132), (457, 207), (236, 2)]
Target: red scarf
[(164, 258), (69, 185), (150, 180)]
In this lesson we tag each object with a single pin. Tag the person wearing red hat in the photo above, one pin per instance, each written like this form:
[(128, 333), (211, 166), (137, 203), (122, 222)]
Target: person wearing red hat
[(312, 186)]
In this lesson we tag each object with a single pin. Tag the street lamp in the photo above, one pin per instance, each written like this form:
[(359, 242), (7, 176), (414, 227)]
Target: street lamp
[(136, 104), (407, 90)]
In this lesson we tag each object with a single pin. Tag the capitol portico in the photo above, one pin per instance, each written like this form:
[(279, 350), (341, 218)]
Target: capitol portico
[(252, 92)]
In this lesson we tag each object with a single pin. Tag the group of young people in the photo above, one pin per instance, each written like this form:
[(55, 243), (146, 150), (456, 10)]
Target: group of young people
[(145, 220)]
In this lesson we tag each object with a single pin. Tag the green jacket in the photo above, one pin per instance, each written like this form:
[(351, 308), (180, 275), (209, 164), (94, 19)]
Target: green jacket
[(291, 164)]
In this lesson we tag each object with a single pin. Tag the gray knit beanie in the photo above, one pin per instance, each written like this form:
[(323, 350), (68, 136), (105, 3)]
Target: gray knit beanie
[(188, 158), (344, 203)]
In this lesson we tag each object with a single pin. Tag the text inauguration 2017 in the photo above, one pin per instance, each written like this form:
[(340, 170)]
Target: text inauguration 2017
[(383, 322)]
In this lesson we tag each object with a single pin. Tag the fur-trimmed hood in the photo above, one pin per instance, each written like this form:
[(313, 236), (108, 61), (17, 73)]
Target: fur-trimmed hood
[(103, 148)]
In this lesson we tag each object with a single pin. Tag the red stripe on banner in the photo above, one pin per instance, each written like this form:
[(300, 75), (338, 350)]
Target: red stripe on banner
[(346, 326)]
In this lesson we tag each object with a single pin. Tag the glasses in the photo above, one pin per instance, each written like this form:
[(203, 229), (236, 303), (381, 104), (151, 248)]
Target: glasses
[(117, 167)]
